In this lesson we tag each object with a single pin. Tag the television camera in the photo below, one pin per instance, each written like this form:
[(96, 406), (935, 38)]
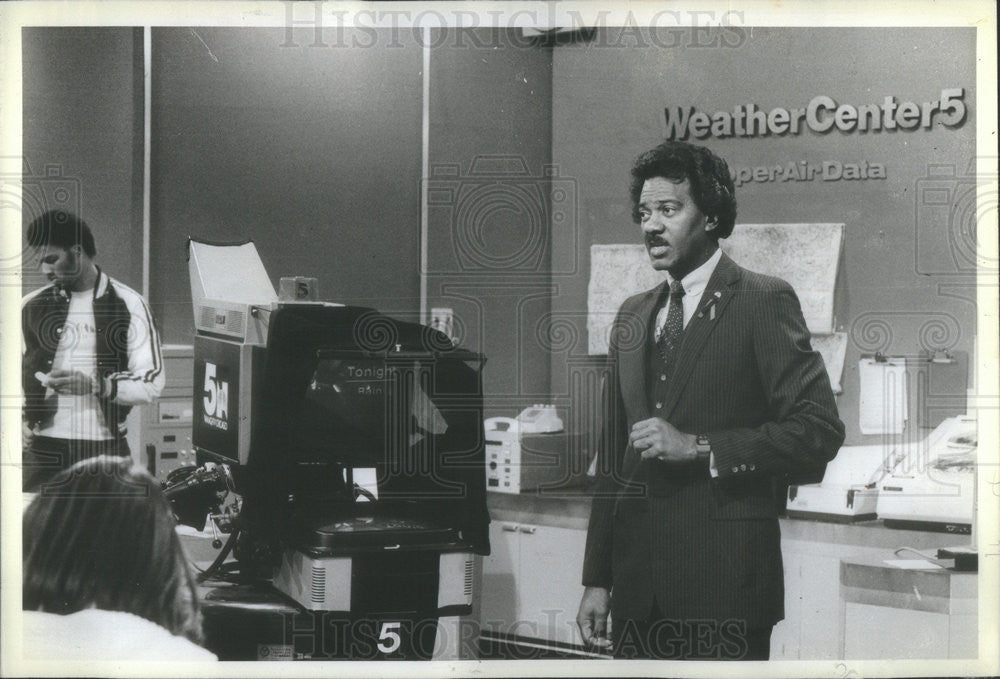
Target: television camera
[(297, 397)]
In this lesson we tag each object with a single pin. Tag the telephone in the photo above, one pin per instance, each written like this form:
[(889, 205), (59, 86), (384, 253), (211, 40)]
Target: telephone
[(538, 419)]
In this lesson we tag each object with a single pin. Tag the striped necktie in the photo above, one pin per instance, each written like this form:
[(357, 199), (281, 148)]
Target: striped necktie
[(673, 327)]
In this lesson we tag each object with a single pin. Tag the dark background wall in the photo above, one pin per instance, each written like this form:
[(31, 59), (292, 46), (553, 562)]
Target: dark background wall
[(82, 138), (608, 106), (315, 153), (311, 151), (490, 209)]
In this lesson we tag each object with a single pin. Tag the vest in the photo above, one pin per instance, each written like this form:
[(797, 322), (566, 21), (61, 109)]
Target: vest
[(663, 478)]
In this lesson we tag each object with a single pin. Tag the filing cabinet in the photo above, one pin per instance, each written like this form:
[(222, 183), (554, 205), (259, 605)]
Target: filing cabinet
[(165, 427)]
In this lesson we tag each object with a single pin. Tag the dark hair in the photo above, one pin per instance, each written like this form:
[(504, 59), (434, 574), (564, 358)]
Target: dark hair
[(102, 535), (61, 229), (711, 184)]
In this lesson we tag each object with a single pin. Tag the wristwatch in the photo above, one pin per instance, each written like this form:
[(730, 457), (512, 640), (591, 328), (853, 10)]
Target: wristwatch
[(96, 384), (702, 446)]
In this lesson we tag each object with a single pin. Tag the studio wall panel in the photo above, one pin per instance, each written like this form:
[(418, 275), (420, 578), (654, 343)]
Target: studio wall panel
[(313, 151)]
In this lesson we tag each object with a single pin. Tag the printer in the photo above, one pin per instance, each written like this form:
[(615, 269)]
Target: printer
[(932, 485), (849, 489)]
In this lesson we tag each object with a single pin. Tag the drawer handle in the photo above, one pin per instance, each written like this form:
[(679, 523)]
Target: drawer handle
[(529, 529), (509, 527)]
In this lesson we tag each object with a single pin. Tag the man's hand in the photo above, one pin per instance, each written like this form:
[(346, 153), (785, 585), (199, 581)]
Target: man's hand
[(593, 617), (27, 436), (71, 382), (657, 438)]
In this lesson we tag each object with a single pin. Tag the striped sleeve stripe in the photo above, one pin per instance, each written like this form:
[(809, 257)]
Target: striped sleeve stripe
[(126, 377), (154, 337), (154, 342), (36, 293)]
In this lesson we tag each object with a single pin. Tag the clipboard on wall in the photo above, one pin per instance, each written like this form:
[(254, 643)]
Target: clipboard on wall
[(924, 390)]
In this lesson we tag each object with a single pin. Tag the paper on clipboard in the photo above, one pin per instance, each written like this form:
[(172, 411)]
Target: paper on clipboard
[(912, 564), (833, 349), (882, 402)]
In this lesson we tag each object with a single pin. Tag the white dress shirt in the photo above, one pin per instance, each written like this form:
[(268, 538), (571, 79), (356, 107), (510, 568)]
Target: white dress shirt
[(694, 287)]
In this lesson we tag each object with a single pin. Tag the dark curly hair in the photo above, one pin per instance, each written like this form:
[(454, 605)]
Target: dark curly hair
[(101, 535), (63, 230), (712, 186)]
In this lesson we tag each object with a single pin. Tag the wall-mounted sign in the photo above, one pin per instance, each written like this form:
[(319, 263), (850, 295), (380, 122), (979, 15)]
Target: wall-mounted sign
[(822, 114), (802, 171)]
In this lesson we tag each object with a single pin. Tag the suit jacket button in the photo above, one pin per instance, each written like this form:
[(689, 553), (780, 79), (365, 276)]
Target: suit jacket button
[(663, 378), (743, 467), (659, 406), (752, 467), (735, 469)]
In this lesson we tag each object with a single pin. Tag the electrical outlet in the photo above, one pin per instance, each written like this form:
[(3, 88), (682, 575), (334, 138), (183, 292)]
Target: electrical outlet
[(443, 319)]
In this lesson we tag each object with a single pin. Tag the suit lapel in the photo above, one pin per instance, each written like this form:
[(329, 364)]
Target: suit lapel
[(632, 362), (632, 365), (717, 295)]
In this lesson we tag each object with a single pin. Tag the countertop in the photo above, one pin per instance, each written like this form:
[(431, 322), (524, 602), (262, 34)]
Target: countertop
[(570, 508)]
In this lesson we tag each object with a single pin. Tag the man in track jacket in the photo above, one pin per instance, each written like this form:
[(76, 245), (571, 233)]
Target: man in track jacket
[(91, 351)]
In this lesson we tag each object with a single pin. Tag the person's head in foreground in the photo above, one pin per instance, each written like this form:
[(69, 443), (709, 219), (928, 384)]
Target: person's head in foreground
[(99, 542)]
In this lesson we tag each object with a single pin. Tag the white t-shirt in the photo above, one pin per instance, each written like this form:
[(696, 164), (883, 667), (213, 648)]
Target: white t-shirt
[(77, 417)]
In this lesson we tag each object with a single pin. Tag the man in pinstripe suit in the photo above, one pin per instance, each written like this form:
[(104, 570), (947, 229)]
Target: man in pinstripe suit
[(715, 393)]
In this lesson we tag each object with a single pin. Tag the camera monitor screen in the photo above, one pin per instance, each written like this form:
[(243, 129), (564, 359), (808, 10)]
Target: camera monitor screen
[(357, 410)]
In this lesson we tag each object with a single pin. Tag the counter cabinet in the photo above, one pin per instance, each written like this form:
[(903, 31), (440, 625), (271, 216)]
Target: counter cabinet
[(531, 587), (912, 613), (531, 580)]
